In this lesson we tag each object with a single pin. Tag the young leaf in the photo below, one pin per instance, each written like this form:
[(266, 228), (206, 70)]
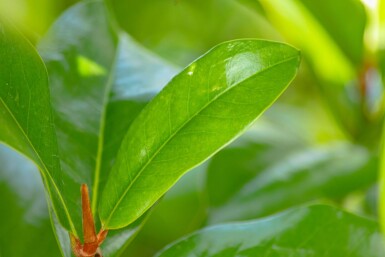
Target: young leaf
[(201, 110), (313, 231), (26, 121)]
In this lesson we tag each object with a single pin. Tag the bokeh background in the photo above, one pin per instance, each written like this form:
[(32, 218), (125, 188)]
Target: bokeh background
[(318, 143)]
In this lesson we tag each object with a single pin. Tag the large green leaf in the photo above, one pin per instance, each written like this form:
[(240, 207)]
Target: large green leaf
[(307, 231), (301, 176), (100, 79), (24, 220), (246, 180), (201, 110), (26, 116), (79, 73)]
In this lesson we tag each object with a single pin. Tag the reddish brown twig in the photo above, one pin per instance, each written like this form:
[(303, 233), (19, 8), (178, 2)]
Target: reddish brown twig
[(92, 241)]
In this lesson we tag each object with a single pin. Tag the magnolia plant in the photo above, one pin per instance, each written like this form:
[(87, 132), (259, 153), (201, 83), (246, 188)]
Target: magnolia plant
[(90, 108)]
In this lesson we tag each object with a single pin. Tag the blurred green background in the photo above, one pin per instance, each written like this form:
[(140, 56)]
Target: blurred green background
[(318, 143)]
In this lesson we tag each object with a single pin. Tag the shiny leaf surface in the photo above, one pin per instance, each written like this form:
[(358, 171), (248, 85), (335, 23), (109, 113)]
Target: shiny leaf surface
[(26, 115), (284, 160), (79, 74), (201, 110), (306, 231), (99, 81)]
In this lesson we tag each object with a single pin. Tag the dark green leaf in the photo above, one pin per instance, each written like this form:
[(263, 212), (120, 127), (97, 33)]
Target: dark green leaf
[(308, 231), (100, 80), (79, 74), (26, 115), (201, 110)]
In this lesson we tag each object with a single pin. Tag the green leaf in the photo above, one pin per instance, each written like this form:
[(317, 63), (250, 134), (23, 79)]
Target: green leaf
[(79, 80), (381, 197), (202, 109), (24, 220), (26, 115), (246, 180), (306, 231), (181, 211), (100, 79), (299, 176)]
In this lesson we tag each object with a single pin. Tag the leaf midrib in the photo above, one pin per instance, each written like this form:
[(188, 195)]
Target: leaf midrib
[(181, 127), (102, 122), (44, 167)]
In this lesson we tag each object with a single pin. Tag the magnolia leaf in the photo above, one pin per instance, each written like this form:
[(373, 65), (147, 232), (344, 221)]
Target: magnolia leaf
[(202, 109)]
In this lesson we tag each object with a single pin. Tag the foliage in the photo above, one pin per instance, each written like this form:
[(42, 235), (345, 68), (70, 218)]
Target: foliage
[(185, 161)]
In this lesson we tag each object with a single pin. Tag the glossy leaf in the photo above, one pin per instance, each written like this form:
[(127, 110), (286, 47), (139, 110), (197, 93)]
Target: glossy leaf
[(26, 115), (201, 110), (246, 180), (24, 220), (299, 176), (101, 86), (100, 79), (306, 231), (79, 74)]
